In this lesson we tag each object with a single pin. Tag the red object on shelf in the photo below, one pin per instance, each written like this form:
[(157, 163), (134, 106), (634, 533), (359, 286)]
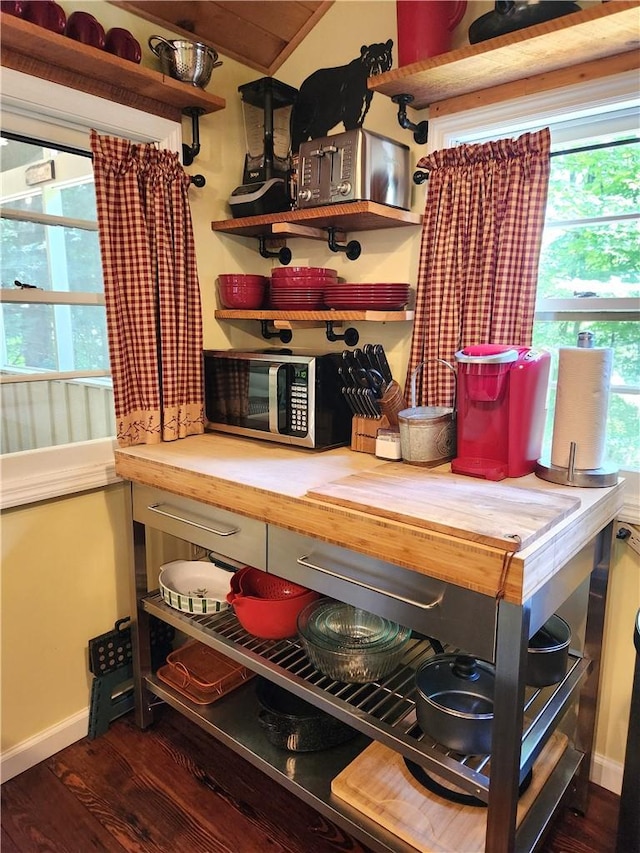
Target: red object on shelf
[(242, 291), (425, 27), (501, 404), (47, 14)]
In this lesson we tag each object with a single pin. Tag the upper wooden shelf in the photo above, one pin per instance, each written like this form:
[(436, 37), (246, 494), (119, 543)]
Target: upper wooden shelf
[(570, 43), (37, 51), (350, 216)]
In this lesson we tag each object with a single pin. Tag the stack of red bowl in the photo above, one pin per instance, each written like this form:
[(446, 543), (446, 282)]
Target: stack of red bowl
[(242, 291), (375, 297), (300, 288)]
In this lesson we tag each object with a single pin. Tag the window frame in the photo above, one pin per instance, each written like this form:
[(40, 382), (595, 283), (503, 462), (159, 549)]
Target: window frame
[(35, 107), (607, 96)]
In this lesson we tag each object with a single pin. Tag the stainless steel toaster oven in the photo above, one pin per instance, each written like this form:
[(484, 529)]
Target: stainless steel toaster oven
[(357, 165)]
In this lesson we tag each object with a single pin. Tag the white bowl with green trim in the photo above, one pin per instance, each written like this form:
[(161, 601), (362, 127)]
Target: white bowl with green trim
[(195, 586)]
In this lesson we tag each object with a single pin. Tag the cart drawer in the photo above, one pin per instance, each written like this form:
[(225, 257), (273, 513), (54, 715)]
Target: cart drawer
[(227, 533), (452, 614)]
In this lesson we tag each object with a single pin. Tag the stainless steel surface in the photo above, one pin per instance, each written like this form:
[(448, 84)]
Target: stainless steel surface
[(307, 564), (357, 165), (508, 720), (308, 776), (219, 530), (188, 61), (461, 618), (384, 710), (593, 649), (203, 525), (524, 718), (140, 629), (536, 823), (600, 478)]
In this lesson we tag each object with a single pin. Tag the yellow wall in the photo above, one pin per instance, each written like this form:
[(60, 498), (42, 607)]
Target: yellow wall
[(64, 562), (64, 581)]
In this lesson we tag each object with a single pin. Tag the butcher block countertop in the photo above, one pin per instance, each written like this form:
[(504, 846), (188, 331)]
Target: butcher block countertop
[(510, 536)]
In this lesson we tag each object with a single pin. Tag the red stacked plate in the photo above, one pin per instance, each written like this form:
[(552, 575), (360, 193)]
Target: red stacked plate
[(300, 288), (376, 297)]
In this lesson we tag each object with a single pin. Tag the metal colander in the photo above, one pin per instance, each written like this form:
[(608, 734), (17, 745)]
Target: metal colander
[(188, 61)]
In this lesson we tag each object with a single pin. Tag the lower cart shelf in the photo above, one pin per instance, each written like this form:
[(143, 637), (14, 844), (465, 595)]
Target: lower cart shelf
[(384, 710), (412, 820)]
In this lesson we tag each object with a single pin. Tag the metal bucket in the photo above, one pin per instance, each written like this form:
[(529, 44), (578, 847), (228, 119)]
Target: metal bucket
[(427, 433), (188, 61)]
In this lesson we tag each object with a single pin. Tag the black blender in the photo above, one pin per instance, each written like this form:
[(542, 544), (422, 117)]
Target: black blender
[(266, 106)]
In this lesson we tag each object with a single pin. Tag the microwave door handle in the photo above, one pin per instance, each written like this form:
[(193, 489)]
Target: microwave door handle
[(273, 398)]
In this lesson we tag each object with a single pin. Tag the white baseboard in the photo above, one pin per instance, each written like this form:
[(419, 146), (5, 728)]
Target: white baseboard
[(43, 745), (606, 773), (603, 772)]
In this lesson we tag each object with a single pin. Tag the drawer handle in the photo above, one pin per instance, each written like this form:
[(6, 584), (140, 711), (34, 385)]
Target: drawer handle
[(222, 530), (304, 561)]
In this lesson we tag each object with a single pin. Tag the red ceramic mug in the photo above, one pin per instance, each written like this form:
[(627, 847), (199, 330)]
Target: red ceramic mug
[(47, 14), (425, 27), (83, 27), (121, 43), (12, 7)]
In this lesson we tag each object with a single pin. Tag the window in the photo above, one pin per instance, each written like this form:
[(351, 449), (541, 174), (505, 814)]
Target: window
[(53, 344), (589, 272), (54, 362)]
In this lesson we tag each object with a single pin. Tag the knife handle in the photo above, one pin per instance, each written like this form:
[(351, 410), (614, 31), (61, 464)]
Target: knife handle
[(385, 370)]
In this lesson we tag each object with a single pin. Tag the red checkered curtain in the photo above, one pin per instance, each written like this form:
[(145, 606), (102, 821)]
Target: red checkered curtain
[(479, 254), (152, 294)]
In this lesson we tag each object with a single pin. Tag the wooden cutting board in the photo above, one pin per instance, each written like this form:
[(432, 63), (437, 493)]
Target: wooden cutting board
[(478, 510), (378, 784)]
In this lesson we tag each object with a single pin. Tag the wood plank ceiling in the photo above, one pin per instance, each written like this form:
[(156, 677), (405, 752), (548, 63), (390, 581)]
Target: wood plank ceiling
[(257, 33)]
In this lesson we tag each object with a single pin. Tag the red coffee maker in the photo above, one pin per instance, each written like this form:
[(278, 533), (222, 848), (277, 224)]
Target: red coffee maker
[(501, 396)]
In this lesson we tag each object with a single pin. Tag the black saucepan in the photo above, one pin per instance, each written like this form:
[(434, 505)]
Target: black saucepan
[(454, 702), (548, 653)]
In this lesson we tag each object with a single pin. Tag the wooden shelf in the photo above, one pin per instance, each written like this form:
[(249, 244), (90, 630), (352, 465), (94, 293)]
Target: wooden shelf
[(350, 216), (37, 51), (286, 319), (596, 41)]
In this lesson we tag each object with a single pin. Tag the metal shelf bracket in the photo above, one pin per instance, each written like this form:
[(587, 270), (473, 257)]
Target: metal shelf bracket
[(350, 336), (283, 254), (285, 335), (421, 130), (189, 153), (352, 249)]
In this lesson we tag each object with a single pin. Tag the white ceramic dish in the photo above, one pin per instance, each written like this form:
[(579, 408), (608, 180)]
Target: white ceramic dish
[(195, 586)]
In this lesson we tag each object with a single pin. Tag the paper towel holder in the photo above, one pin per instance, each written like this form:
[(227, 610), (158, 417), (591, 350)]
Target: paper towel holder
[(603, 477)]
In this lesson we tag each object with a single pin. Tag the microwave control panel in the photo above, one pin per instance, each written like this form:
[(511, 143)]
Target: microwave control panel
[(299, 400)]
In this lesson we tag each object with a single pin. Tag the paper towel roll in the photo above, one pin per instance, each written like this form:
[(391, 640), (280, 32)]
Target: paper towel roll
[(582, 401)]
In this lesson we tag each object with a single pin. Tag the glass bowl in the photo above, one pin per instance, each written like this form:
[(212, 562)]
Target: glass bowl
[(334, 624), (349, 644)]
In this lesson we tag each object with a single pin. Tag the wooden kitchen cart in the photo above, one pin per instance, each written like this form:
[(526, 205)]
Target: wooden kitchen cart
[(443, 572)]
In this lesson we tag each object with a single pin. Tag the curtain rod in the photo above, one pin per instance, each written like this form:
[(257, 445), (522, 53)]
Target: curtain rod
[(196, 180), (420, 177)]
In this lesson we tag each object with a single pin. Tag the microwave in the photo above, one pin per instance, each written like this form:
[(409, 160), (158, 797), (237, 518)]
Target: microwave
[(277, 394)]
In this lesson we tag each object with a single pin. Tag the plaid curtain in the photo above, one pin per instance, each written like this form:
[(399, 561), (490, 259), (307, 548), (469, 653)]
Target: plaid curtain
[(479, 254), (152, 293)]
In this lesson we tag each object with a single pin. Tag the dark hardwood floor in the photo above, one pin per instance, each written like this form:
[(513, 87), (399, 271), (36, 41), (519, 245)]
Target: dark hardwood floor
[(174, 789)]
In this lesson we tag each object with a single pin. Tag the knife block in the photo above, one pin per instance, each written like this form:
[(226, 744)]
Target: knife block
[(364, 432)]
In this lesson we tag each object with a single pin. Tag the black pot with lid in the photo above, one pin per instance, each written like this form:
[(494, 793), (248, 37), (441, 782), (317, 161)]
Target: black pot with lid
[(454, 703), (295, 725)]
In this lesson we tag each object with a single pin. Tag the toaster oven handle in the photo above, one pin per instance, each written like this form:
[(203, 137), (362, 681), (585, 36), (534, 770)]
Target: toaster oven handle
[(273, 398)]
